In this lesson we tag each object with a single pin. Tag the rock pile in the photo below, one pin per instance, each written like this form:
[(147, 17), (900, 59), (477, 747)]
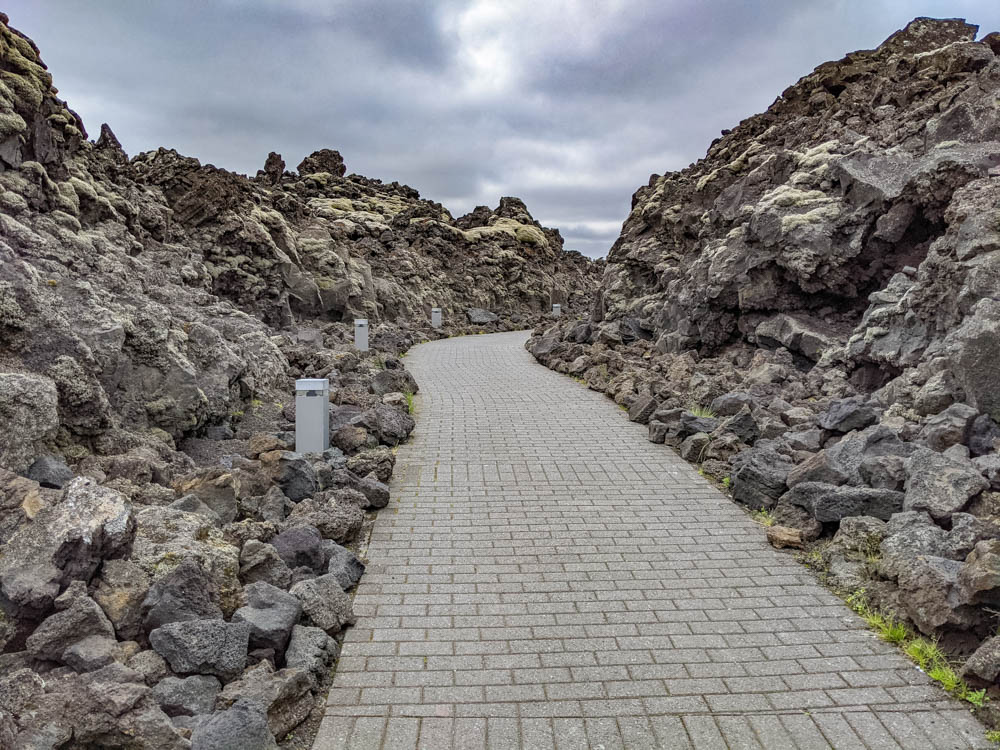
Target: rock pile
[(173, 574), (811, 313)]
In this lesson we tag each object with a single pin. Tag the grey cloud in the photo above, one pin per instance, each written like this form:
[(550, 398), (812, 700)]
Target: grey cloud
[(569, 105)]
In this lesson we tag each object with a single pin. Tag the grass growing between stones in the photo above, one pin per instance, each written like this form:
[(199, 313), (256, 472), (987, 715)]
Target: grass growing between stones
[(762, 516), (924, 652), (701, 411), (409, 402)]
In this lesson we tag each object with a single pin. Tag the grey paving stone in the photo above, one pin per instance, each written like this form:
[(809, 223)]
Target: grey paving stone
[(545, 577)]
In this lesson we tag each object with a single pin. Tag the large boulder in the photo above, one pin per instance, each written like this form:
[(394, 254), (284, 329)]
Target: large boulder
[(121, 589), (828, 502), (292, 472), (950, 427), (910, 534), (243, 726), (164, 537), (311, 649), (977, 342), (271, 614), (325, 603), (332, 517), (345, 566), (209, 647), (984, 664), (185, 593), (478, 316), (979, 578), (81, 617), (376, 492), (187, 696), (393, 381), (846, 414), (283, 695), (64, 542), (377, 461), (931, 594), (940, 485), (107, 708), (759, 476), (29, 417), (215, 488), (853, 459), (260, 561), (301, 547), (390, 425)]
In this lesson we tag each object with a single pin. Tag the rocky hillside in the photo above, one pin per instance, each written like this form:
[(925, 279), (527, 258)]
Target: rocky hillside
[(811, 313), (171, 572)]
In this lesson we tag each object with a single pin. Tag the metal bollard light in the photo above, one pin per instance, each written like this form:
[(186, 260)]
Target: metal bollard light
[(435, 317), (312, 415), (556, 311), (361, 334)]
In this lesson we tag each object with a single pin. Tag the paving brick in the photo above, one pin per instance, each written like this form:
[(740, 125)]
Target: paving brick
[(544, 577)]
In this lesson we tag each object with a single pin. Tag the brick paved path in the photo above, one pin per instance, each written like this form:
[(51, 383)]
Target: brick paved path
[(547, 578)]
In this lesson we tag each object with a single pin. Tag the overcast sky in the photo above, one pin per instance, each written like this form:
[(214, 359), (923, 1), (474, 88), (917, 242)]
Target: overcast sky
[(568, 104)]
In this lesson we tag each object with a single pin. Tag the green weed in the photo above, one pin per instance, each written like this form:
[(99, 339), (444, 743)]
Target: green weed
[(763, 517), (409, 402), (701, 411)]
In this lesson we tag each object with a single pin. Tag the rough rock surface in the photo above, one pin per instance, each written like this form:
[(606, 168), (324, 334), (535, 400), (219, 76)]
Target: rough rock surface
[(832, 266), (154, 314)]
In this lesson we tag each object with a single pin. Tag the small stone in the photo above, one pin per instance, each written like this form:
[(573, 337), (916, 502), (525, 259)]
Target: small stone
[(50, 471), (783, 536)]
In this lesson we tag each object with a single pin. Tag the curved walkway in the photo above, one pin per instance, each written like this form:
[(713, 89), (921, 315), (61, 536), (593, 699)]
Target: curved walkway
[(547, 578)]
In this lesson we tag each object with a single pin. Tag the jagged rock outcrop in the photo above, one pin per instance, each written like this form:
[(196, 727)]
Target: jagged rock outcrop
[(832, 266), (154, 314)]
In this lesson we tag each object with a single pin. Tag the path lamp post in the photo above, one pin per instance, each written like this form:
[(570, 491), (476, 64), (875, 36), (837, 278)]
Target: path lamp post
[(435, 317), (312, 415), (556, 311), (361, 334)]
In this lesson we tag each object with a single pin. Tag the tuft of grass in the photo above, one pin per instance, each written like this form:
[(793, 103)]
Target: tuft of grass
[(701, 411), (944, 674), (994, 736), (888, 628), (924, 653), (894, 632), (762, 516), (409, 402), (976, 697), (726, 482)]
